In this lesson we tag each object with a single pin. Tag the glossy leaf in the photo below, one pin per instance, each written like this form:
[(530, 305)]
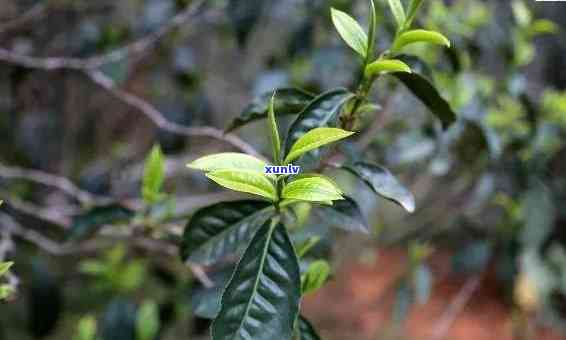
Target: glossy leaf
[(274, 130), (5, 266), (423, 89), (245, 181), (398, 11), (383, 183), (412, 12), (314, 139), (153, 176), (418, 36), (386, 66), (317, 113), (315, 276), (221, 229), (88, 223), (346, 214), (305, 331), (261, 302), (290, 101), (314, 189), (350, 31), (205, 302), (228, 161)]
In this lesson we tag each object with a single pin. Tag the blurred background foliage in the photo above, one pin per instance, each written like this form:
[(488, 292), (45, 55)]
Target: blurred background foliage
[(489, 190)]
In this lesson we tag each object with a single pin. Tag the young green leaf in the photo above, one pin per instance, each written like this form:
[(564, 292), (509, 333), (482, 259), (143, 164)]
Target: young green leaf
[(86, 329), (372, 31), (314, 189), (248, 181), (417, 36), (423, 89), (349, 29), (290, 101), (412, 12), (345, 214), (228, 161), (314, 139), (383, 183), (398, 12), (153, 176), (147, 321), (315, 277), (5, 266), (6, 291), (305, 331), (275, 140), (317, 114), (261, 302), (386, 66), (221, 229)]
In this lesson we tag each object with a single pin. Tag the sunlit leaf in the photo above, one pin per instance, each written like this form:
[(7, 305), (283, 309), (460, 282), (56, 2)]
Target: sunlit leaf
[(247, 181), (261, 302), (318, 113), (221, 229), (352, 33), (153, 176), (315, 276), (290, 101), (5, 266), (420, 36), (314, 139), (386, 66), (315, 189), (228, 161), (383, 183)]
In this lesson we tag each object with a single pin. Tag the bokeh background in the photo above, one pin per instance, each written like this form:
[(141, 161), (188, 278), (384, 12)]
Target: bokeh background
[(88, 87)]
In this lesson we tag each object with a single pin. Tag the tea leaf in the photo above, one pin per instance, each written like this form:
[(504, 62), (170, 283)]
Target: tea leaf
[(275, 140), (314, 189), (417, 36), (386, 66), (349, 29), (315, 138), (315, 277), (153, 176), (398, 12)]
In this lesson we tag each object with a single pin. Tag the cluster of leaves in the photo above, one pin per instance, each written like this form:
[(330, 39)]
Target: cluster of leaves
[(262, 298)]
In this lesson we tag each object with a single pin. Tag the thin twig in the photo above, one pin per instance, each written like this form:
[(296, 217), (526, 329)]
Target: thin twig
[(161, 122), (94, 62), (455, 308), (50, 180), (35, 12)]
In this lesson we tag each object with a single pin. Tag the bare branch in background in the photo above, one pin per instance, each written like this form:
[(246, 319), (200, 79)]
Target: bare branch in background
[(35, 12), (161, 122), (136, 47)]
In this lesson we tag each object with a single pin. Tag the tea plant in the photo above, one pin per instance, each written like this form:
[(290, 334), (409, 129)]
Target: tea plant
[(262, 299)]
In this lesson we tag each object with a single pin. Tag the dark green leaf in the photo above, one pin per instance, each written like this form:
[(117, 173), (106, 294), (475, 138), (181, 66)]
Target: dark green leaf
[(206, 301), (423, 89), (119, 321), (45, 301), (221, 229), (153, 176), (372, 31), (261, 301), (244, 15), (290, 101), (305, 331), (88, 223), (318, 113), (345, 214), (383, 183)]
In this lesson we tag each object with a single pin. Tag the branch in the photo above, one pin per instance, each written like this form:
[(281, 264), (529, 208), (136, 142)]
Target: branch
[(54, 181), (35, 12), (456, 307), (161, 122), (139, 46)]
